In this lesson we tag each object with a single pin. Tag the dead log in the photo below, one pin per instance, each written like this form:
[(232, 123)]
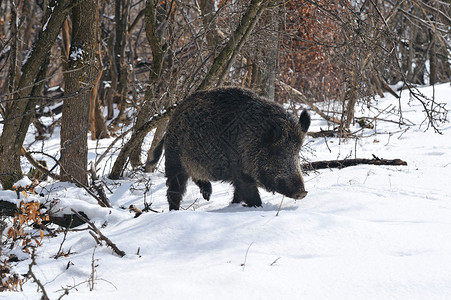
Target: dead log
[(67, 220), (7, 208), (323, 133), (328, 164)]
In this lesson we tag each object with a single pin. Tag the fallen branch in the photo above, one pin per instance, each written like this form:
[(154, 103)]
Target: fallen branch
[(102, 198), (100, 234), (67, 221), (38, 166), (30, 273), (102, 202), (327, 164), (323, 133)]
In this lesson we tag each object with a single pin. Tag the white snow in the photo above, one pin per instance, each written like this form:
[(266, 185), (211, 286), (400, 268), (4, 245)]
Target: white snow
[(52, 8), (76, 54), (23, 183), (364, 232)]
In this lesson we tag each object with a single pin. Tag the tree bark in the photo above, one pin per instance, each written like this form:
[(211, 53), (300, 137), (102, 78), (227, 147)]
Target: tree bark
[(271, 59), (226, 54), (432, 58), (159, 135), (99, 129), (78, 84), (327, 164), (149, 106), (139, 133), (18, 112), (207, 8)]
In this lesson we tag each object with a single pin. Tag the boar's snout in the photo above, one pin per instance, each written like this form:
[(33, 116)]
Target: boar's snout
[(292, 187), (300, 195)]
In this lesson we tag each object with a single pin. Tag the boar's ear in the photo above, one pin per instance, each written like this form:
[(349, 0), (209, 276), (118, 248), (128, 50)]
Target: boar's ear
[(271, 135), (304, 120)]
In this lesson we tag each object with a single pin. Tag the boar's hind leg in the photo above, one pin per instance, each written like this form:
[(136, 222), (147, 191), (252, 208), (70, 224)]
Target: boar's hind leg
[(176, 181), (205, 188), (246, 191)]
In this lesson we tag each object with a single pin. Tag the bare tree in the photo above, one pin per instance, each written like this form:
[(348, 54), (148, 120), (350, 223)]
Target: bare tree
[(220, 64), (79, 78), (20, 109), (152, 54)]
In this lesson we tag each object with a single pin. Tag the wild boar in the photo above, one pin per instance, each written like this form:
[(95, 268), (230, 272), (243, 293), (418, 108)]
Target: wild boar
[(233, 135)]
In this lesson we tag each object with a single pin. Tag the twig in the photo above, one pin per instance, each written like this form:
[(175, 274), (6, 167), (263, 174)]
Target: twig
[(104, 201), (100, 234), (38, 282), (304, 99), (59, 252), (245, 256), (68, 221), (99, 199), (68, 288), (274, 262), (281, 201), (91, 279), (121, 136)]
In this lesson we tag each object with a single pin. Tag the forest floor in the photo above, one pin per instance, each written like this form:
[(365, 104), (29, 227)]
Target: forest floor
[(362, 232)]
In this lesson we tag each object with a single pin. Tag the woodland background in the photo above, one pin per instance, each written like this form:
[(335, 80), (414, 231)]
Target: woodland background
[(99, 65), (116, 69)]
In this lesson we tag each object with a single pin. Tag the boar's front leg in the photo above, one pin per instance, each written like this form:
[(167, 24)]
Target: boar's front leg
[(246, 191), (205, 188), (176, 180)]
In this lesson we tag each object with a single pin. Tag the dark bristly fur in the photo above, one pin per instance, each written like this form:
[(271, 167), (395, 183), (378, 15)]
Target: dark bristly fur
[(233, 135)]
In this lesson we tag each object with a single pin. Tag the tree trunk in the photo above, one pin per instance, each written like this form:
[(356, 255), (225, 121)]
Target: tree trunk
[(227, 53), (139, 133), (119, 76), (159, 135), (432, 58), (99, 129), (140, 128), (411, 53), (132, 148), (272, 57), (18, 113), (78, 84), (149, 106), (14, 53), (207, 8)]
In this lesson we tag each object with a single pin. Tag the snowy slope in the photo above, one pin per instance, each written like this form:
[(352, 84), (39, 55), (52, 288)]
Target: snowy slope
[(364, 232)]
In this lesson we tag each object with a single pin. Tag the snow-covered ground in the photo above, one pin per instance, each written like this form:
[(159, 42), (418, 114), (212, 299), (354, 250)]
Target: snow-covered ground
[(364, 232)]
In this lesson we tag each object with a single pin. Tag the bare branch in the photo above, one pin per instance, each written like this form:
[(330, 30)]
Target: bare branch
[(100, 234), (304, 99)]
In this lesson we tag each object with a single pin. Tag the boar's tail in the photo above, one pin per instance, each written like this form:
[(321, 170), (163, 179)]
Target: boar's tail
[(157, 153)]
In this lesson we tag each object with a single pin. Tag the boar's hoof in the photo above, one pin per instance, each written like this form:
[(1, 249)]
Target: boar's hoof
[(206, 195), (205, 188), (252, 205)]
